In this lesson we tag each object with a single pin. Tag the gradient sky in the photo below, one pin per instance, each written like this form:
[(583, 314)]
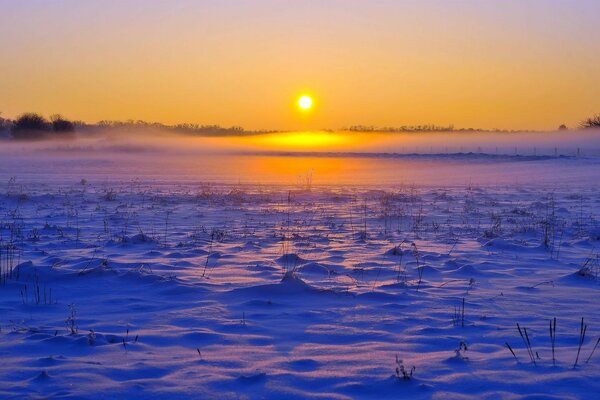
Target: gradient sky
[(530, 64)]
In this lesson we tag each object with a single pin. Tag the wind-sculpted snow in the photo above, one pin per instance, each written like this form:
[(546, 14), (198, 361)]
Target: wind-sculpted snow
[(155, 289)]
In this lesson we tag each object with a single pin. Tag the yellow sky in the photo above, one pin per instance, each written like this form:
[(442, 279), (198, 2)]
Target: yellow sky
[(490, 64)]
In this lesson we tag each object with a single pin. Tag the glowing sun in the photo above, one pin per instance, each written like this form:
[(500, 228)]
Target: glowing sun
[(305, 102)]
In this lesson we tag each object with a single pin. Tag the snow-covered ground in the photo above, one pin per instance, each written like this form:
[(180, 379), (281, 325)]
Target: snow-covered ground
[(137, 284)]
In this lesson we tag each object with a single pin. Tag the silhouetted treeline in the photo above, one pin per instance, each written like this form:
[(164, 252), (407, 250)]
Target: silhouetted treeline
[(404, 128), (422, 128), (589, 123), (186, 128), (32, 126)]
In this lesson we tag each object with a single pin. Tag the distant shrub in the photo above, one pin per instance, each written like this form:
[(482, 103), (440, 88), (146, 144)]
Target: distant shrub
[(61, 125), (591, 123), (30, 126), (563, 127)]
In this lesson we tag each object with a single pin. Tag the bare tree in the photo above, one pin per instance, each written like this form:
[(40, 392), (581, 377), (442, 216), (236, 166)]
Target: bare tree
[(61, 125), (590, 123)]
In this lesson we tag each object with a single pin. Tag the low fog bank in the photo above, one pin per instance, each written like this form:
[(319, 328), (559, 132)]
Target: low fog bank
[(348, 158), (585, 142)]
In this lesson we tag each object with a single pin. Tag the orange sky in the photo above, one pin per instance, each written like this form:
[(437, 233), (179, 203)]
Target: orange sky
[(529, 64)]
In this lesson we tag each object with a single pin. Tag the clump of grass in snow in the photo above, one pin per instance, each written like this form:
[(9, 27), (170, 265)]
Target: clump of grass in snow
[(71, 321), (533, 355), (459, 314), (109, 195), (553, 338), (582, 331), (591, 267), (401, 372), (527, 341), (91, 337), (401, 272), (593, 351), (415, 253), (37, 293), (511, 351), (462, 350), (9, 257)]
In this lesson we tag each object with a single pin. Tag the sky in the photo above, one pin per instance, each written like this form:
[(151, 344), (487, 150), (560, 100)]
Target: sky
[(528, 64)]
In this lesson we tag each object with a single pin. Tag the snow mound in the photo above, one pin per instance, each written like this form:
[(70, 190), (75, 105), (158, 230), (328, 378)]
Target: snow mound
[(140, 238), (290, 259), (503, 244), (394, 251), (315, 268)]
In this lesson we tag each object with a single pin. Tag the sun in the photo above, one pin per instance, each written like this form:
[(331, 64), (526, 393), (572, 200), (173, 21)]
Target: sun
[(305, 102)]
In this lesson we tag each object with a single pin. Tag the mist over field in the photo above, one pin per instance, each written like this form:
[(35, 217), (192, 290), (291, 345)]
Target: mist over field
[(564, 142), (328, 157)]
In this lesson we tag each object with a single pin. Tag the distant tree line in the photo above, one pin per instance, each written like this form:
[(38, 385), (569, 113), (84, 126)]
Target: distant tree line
[(588, 123), (32, 126), (421, 128), (404, 128), (186, 128)]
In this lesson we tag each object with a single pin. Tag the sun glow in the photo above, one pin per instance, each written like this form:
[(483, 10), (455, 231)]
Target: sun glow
[(305, 102), (298, 141)]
